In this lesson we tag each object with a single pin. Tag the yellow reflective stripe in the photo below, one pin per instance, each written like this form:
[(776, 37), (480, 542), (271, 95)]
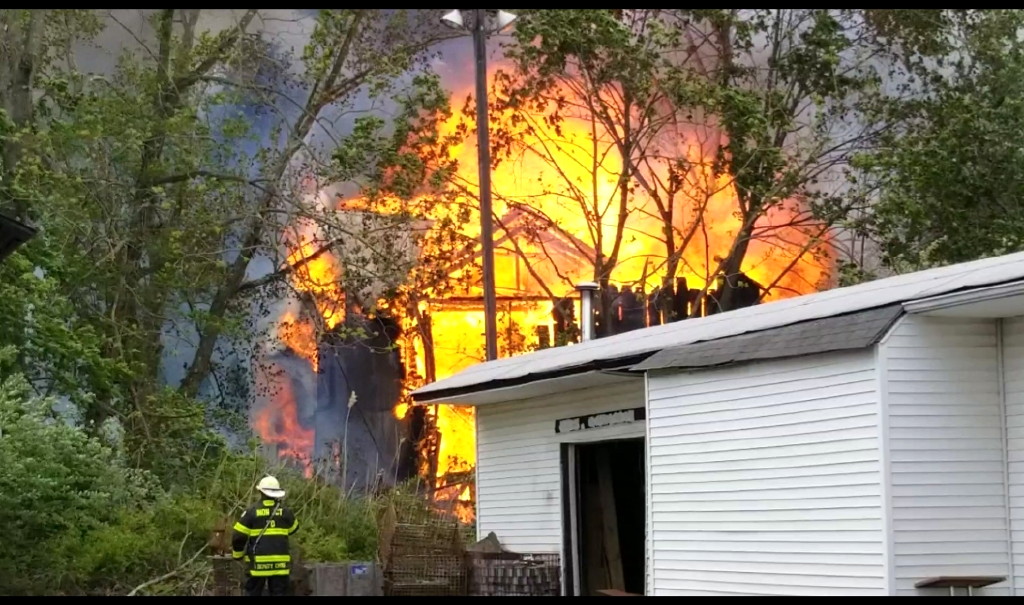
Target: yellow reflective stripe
[(273, 558), (271, 531), (237, 554), (243, 529), (294, 527), (273, 572), (270, 565)]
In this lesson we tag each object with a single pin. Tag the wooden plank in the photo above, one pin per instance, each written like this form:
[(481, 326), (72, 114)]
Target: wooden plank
[(612, 553), (595, 568)]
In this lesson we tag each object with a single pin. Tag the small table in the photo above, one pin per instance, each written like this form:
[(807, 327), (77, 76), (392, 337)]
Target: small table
[(954, 582)]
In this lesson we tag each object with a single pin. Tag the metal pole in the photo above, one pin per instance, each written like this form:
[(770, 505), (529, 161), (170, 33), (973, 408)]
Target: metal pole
[(587, 290), (484, 160)]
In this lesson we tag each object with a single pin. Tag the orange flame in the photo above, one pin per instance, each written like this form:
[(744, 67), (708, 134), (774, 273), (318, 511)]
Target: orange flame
[(300, 336), (557, 174), (316, 272), (277, 422), (545, 244)]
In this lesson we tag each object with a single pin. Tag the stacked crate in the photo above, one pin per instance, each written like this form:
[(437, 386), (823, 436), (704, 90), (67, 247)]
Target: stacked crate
[(422, 559)]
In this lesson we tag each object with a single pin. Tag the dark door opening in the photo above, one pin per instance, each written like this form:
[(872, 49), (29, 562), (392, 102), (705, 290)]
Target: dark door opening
[(605, 516)]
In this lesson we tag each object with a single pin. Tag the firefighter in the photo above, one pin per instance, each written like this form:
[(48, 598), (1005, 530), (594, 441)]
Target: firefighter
[(260, 539)]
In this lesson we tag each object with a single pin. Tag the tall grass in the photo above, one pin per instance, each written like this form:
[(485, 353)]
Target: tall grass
[(94, 515), (148, 540)]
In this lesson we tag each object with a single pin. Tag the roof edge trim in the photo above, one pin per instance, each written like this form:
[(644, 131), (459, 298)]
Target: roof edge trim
[(619, 363), (964, 297)]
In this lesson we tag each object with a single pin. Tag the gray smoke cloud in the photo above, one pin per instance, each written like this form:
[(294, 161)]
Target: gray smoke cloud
[(131, 31)]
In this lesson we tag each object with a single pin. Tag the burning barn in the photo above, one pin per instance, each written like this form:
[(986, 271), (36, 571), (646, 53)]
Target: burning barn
[(337, 418), (652, 269), (857, 441), (329, 393)]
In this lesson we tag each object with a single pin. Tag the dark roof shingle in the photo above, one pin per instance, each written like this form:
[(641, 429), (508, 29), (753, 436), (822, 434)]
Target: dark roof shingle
[(842, 332)]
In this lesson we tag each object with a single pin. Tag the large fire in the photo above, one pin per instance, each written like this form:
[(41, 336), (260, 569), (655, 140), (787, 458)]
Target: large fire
[(555, 206), (277, 421)]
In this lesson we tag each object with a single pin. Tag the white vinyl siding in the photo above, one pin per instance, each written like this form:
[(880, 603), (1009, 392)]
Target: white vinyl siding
[(945, 446), (766, 479), (1013, 375), (519, 488)]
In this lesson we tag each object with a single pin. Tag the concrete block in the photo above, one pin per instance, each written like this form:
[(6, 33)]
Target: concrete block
[(328, 579), (364, 580), (351, 579)]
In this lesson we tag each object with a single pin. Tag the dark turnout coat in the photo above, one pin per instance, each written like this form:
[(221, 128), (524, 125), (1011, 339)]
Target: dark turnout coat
[(260, 538)]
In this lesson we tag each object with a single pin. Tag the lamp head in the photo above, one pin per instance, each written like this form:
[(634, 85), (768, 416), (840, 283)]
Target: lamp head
[(453, 19), (503, 19), (499, 19)]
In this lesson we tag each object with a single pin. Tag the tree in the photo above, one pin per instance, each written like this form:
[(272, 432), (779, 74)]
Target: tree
[(164, 188), (766, 99), (948, 180), (59, 352), (403, 172), (376, 48), (140, 173), (570, 103)]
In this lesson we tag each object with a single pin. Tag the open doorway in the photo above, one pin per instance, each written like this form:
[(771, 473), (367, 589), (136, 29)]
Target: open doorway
[(605, 516)]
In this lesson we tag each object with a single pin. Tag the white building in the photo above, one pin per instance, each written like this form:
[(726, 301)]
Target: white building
[(851, 442)]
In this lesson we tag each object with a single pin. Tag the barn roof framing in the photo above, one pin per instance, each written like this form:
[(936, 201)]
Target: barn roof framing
[(624, 351)]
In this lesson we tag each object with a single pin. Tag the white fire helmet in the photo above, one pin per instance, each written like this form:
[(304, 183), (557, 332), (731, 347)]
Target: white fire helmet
[(270, 487)]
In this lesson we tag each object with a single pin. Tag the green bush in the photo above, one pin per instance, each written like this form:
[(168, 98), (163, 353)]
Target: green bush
[(56, 483), (83, 519)]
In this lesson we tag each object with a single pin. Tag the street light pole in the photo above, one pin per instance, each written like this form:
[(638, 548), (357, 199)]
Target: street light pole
[(479, 31), (484, 160)]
